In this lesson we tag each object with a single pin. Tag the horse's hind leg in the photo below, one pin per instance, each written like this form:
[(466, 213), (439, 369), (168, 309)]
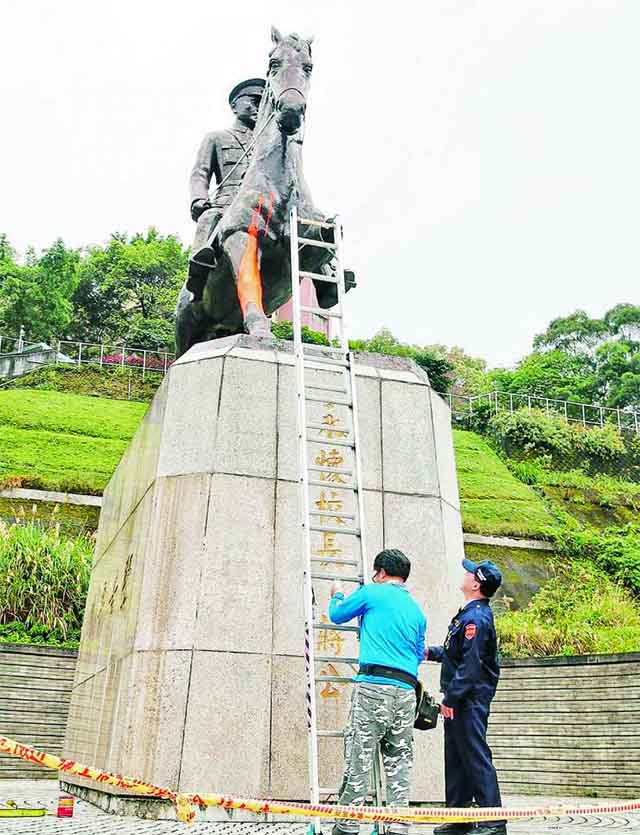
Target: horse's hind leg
[(243, 251)]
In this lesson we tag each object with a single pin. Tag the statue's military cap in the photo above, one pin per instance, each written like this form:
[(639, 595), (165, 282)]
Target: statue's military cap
[(250, 87)]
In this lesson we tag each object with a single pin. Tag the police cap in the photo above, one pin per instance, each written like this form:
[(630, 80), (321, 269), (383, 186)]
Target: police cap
[(486, 573), (250, 87)]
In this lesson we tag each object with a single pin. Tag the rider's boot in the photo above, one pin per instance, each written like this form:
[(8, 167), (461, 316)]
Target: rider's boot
[(255, 322), (199, 265)]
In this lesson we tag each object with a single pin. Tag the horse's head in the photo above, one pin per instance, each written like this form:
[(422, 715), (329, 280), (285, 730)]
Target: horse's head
[(290, 67)]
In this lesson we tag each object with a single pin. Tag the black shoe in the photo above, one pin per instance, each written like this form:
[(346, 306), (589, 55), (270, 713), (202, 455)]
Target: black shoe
[(453, 829), (491, 828)]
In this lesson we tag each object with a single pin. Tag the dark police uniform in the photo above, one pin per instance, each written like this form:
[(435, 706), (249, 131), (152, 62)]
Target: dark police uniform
[(468, 680)]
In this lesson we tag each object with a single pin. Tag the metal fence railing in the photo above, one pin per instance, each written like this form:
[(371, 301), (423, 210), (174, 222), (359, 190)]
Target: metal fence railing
[(465, 407), (98, 354), (104, 355)]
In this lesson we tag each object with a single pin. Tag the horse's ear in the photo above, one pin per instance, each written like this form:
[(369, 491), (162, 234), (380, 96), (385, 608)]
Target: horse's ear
[(276, 37), (310, 40)]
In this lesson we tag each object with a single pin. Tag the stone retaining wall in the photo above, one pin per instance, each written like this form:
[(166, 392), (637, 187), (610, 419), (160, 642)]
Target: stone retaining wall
[(35, 690), (569, 726), (564, 726)]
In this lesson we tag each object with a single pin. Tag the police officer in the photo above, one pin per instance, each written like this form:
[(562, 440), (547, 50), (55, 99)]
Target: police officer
[(218, 154), (468, 680)]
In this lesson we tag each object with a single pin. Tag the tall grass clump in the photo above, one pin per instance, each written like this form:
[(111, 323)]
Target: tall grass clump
[(580, 611), (44, 579)]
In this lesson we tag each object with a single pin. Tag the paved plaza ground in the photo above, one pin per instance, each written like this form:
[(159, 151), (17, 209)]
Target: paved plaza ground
[(88, 820)]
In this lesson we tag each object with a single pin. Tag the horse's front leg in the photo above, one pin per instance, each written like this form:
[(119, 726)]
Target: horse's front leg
[(243, 252)]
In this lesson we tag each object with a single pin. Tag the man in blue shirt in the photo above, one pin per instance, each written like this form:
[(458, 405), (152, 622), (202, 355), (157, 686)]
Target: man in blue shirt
[(383, 702), (468, 680)]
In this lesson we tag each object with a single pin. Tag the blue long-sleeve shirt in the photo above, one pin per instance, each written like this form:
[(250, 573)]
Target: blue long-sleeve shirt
[(391, 630)]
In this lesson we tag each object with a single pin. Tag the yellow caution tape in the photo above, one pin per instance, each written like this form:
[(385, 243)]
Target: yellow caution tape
[(22, 813), (184, 803)]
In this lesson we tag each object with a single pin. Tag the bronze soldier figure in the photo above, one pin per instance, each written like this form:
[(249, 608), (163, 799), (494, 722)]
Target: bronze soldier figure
[(218, 154)]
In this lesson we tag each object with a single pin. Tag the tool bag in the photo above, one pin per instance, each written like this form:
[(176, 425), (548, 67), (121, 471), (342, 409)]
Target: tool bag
[(427, 710)]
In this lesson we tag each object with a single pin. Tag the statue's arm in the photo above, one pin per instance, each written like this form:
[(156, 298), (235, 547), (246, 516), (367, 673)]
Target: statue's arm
[(203, 169)]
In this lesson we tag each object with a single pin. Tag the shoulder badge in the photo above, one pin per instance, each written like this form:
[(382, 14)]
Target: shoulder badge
[(470, 631)]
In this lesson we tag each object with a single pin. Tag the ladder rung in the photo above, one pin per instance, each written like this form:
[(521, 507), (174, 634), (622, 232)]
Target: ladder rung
[(320, 223), (310, 346), (336, 734), (334, 485), (339, 389), (320, 311), (310, 242), (316, 468), (330, 529), (317, 399), (329, 515), (335, 561), (332, 279), (329, 791), (337, 627), (346, 578), (323, 363), (332, 441), (327, 427), (331, 658)]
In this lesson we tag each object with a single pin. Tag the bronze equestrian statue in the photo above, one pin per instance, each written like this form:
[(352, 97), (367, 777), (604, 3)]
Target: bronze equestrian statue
[(223, 156), (241, 273)]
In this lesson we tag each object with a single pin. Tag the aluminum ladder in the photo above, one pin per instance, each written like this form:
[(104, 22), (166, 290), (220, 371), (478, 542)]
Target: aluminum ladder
[(344, 482)]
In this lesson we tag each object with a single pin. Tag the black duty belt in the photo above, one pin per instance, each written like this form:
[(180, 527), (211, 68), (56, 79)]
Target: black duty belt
[(387, 672)]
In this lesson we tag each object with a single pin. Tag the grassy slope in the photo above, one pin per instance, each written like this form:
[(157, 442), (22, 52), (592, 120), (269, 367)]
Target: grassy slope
[(62, 441), (493, 501), (65, 441)]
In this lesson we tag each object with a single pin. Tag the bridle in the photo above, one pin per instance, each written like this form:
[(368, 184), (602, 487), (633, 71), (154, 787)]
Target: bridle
[(269, 91)]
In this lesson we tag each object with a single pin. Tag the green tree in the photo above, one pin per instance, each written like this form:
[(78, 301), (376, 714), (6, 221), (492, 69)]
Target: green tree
[(37, 294), (468, 375), (128, 289), (574, 334), (624, 320), (437, 366), (618, 373), (554, 374)]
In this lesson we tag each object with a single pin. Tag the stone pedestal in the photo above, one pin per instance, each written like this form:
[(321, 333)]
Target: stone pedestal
[(191, 672)]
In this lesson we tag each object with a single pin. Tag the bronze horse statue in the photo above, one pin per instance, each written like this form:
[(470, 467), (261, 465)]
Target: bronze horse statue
[(248, 254)]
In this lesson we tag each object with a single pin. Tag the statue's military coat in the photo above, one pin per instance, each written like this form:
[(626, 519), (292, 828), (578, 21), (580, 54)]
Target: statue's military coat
[(217, 155)]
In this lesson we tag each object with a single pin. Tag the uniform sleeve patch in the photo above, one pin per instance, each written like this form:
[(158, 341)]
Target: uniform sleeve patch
[(470, 631)]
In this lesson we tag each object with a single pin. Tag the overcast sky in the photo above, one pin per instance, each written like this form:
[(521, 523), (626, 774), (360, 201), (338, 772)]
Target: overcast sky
[(484, 155)]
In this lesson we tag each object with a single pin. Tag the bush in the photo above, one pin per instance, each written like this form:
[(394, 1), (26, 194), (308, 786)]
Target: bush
[(527, 435), (44, 579), (613, 550), (284, 330), (580, 611)]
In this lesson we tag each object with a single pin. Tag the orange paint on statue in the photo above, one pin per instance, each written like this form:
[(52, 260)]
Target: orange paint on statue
[(249, 277)]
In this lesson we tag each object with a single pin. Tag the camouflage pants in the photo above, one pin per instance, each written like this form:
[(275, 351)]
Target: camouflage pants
[(381, 715)]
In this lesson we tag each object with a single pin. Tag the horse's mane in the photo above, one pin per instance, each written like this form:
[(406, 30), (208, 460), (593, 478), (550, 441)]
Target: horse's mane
[(296, 41)]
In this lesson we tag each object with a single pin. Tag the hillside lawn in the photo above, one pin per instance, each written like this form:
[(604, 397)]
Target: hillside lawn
[(67, 442), (492, 500), (73, 442)]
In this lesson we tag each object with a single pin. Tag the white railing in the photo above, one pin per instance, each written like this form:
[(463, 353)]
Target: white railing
[(464, 407), (108, 355)]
